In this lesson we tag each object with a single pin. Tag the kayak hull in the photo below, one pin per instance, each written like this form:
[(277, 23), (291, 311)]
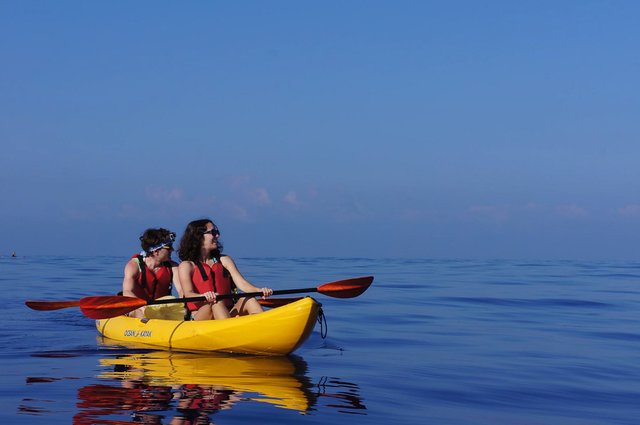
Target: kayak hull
[(274, 332)]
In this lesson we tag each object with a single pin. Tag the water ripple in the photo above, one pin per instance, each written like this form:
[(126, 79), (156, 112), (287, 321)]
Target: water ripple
[(542, 302)]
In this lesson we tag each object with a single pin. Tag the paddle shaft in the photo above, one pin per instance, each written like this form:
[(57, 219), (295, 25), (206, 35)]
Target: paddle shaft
[(102, 307), (226, 296)]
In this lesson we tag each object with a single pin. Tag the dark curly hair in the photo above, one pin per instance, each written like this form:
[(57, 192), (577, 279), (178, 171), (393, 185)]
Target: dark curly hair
[(153, 237), (191, 241)]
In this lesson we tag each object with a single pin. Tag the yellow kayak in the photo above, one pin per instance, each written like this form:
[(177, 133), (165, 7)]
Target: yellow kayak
[(275, 332), (274, 380)]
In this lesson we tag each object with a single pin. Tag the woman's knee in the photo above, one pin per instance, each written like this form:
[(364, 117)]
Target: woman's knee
[(249, 306), (219, 311), (203, 313)]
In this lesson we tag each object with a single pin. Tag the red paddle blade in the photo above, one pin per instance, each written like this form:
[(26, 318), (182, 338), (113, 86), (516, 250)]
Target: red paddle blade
[(51, 305), (109, 306), (277, 302), (346, 288)]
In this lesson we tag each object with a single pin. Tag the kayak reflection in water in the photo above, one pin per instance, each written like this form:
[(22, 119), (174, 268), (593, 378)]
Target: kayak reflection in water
[(150, 274), (188, 388), (205, 271), (162, 387)]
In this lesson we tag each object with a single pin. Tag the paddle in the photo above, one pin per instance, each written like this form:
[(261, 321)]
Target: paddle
[(57, 305), (51, 305), (103, 307)]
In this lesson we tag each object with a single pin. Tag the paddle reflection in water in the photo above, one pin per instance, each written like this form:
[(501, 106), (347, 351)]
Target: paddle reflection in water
[(186, 388)]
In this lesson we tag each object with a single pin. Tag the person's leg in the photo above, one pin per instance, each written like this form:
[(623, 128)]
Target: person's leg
[(246, 305), (203, 313), (219, 311)]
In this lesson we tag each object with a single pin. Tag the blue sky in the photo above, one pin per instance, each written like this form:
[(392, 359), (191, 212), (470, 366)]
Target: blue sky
[(458, 129)]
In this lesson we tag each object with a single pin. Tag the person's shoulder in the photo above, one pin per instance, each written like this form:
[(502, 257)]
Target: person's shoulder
[(135, 259), (173, 263), (186, 264), (132, 266), (227, 261)]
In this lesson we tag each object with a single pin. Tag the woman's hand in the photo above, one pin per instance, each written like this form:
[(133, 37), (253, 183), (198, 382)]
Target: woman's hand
[(266, 292), (210, 296)]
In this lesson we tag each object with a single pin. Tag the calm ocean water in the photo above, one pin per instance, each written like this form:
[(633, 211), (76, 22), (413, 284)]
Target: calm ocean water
[(438, 342)]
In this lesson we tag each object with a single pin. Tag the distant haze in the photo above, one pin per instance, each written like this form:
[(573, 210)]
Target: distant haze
[(458, 129)]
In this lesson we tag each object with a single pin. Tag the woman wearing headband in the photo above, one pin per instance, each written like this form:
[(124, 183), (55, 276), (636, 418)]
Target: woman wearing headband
[(205, 271), (150, 274)]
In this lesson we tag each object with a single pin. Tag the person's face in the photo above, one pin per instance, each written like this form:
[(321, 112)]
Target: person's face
[(211, 236), (164, 253)]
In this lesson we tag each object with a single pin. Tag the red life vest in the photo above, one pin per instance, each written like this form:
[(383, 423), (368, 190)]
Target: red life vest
[(150, 285), (214, 278)]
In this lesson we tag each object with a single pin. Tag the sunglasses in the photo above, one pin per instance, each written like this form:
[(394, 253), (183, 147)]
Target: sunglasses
[(213, 232)]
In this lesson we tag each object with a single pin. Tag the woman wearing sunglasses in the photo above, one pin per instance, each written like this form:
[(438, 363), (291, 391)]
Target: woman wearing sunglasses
[(150, 274), (205, 271)]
